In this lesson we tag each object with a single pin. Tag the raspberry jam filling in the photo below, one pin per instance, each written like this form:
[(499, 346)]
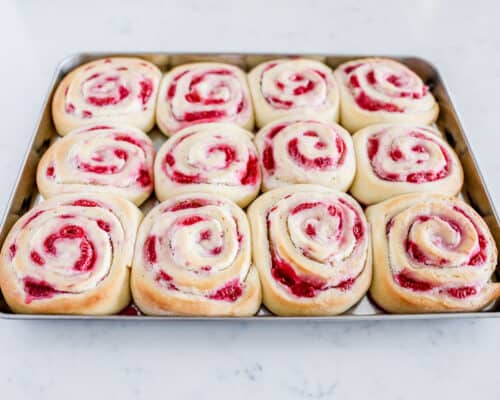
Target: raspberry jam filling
[(87, 258), (373, 148), (37, 258), (252, 172), (186, 204), (284, 273), (85, 203), (146, 90), (369, 104), (150, 249), (231, 292), (462, 292), (165, 278), (129, 139), (406, 280), (38, 289), (144, 178), (12, 250), (190, 220), (33, 217), (131, 310)]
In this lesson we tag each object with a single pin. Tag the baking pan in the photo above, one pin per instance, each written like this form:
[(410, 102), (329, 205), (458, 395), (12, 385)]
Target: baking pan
[(25, 194)]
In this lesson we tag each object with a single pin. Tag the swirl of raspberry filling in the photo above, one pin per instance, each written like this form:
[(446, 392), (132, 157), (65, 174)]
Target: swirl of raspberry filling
[(385, 85), (68, 246), (441, 248), (194, 248), (288, 84), (317, 243), (109, 158), (215, 157), (305, 151), (413, 155), (111, 87), (204, 92)]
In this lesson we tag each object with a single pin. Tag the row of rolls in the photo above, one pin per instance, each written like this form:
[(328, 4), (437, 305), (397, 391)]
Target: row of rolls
[(300, 250), (375, 164), (303, 247), (133, 91)]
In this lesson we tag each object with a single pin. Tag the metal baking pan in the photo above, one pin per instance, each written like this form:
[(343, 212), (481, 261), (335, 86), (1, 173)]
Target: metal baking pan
[(25, 194)]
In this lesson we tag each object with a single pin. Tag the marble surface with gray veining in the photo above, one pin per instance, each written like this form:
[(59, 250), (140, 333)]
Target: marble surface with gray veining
[(290, 360)]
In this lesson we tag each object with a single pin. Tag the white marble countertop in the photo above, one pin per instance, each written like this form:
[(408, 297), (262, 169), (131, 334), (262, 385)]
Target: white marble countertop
[(293, 360)]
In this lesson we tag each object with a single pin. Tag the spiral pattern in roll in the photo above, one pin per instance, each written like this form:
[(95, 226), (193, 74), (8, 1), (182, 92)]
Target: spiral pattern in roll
[(217, 158), (432, 253), (394, 159), (300, 150), (311, 245), (111, 90), (70, 255), (99, 158), (376, 90), (193, 257), (287, 87), (203, 92)]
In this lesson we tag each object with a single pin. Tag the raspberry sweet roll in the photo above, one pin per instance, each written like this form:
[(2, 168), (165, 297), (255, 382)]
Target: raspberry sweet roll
[(203, 92), (300, 150), (99, 158), (286, 87), (70, 255), (432, 253), (376, 90), (193, 257), (397, 159), (215, 158), (311, 245), (111, 90)]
